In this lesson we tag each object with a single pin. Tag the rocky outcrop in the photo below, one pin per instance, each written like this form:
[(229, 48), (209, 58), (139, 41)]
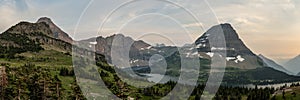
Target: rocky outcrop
[(28, 28), (56, 31), (103, 45)]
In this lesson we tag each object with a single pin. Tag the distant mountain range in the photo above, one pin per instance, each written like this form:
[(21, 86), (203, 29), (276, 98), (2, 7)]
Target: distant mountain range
[(239, 57), (293, 65), (269, 63), (243, 66)]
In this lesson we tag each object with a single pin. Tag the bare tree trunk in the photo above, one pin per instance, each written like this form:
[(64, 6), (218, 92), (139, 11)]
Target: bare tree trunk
[(19, 92), (3, 81), (57, 91), (44, 90)]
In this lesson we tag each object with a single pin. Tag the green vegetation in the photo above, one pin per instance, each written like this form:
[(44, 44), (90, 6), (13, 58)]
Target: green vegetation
[(21, 44), (46, 74), (36, 83), (259, 76), (287, 92), (46, 58), (49, 75)]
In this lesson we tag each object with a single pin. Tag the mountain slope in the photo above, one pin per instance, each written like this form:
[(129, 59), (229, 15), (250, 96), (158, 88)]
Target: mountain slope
[(234, 44), (243, 66), (269, 63), (38, 64), (56, 31), (293, 65), (238, 54), (33, 37)]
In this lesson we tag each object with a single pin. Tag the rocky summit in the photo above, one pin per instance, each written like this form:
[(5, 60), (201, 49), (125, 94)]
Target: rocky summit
[(26, 36), (234, 45), (56, 31), (238, 54)]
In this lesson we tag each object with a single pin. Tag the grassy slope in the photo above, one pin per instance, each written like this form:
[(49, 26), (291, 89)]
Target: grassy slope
[(45, 58), (288, 94), (48, 59)]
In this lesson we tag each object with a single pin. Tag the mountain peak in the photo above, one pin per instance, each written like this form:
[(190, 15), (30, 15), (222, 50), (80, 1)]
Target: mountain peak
[(44, 19), (226, 24), (229, 31), (298, 56), (57, 32), (234, 45), (233, 42), (24, 27)]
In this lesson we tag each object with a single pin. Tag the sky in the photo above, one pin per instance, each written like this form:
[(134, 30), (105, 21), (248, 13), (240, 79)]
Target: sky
[(268, 27)]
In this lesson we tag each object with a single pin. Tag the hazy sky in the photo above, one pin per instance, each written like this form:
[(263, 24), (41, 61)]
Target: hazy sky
[(268, 27)]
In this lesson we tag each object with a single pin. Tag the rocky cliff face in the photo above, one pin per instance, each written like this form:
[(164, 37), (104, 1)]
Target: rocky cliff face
[(30, 28), (238, 54), (56, 31), (234, 45), (103, 45)]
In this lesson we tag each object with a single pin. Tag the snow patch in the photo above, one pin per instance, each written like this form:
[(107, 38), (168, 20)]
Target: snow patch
[(239, 58), (94, 43), (195, 53), (214, 48), (210, 54), (188, 54), (199, 45), (230, 58), (134, 61), (191, 48), (200, 56), (149, 47)]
